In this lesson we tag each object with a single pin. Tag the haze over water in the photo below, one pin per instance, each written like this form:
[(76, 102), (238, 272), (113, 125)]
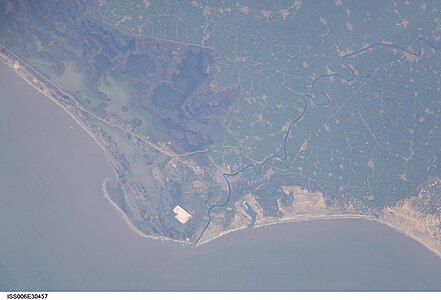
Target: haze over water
[(58, 232)]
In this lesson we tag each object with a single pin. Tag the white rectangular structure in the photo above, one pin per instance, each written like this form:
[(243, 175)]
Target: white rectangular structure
[(181, 214)]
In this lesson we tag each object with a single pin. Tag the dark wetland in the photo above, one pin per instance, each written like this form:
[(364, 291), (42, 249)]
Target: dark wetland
[(58, 232)]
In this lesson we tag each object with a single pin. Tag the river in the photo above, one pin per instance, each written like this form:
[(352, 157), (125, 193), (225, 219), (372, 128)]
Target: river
[(58, 232)]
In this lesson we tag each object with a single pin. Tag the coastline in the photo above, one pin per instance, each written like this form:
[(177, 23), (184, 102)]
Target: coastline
[(437, 252), (106, 153), (71, 112), (130, 225), (298, 219)]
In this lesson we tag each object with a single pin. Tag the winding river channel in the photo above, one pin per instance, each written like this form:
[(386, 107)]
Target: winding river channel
[(58, 232)]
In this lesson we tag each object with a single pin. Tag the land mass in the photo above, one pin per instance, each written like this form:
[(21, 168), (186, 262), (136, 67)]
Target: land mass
[(206, 139), (405, 217)]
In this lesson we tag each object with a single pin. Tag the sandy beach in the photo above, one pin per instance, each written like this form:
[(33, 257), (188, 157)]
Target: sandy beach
[(20, 70)]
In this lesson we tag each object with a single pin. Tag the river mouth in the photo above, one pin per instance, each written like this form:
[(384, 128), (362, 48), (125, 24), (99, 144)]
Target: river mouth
[(62, 234)]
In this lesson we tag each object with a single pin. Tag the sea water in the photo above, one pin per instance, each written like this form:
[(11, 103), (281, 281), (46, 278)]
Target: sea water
[(58, 231)]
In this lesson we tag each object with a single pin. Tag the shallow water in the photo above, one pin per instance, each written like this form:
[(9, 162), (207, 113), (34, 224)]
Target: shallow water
[(57, 231)]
